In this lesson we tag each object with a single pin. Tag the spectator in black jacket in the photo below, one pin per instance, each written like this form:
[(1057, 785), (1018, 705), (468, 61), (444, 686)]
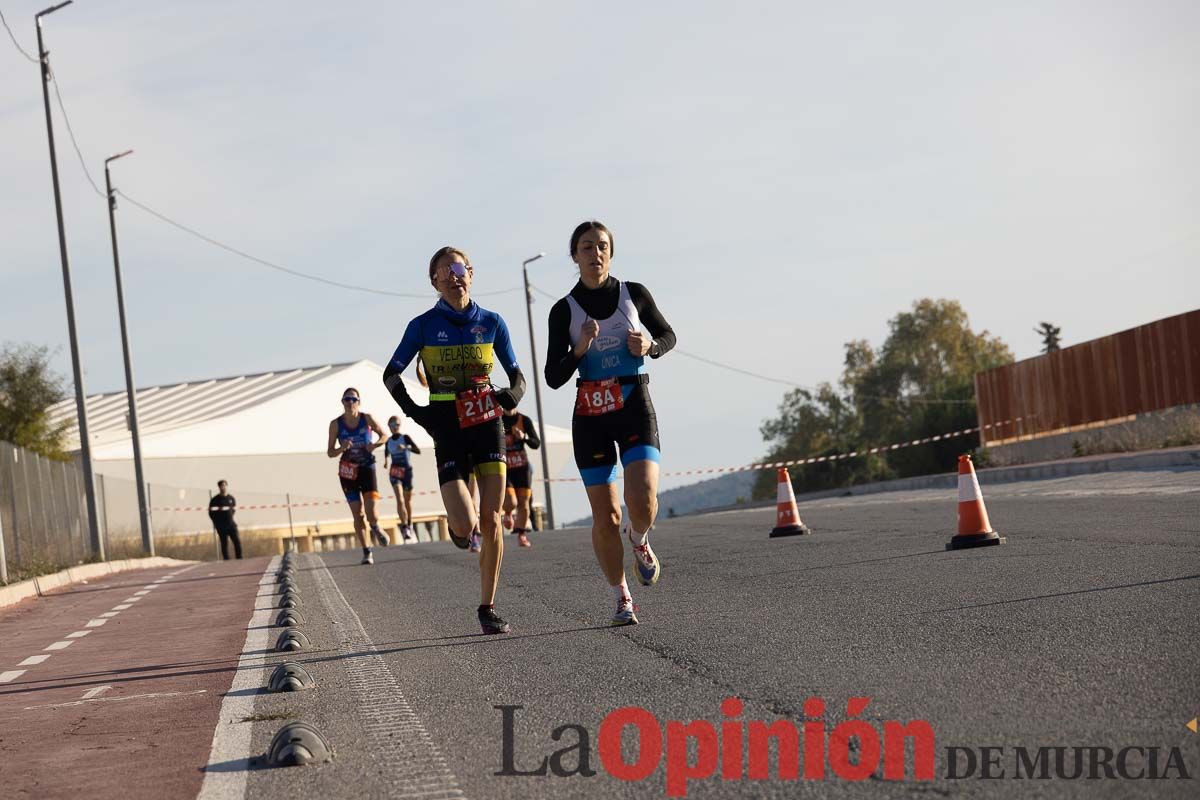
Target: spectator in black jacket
[(221, 510)]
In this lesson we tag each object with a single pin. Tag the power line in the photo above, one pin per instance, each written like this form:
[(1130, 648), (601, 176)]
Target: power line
[(71, 133), (731, 368), (16, 44), (710, 362), (216, 243), (279, 267)]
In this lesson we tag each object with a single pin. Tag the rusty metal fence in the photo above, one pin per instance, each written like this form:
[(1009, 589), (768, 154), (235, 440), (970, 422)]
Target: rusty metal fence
[(1111, 379)]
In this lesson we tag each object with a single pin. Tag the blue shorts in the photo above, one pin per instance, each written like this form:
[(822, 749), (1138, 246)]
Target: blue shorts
[(631, 432)]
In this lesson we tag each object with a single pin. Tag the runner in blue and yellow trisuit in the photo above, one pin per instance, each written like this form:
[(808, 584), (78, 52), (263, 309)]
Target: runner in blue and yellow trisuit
[(459, 344), (597, 330)]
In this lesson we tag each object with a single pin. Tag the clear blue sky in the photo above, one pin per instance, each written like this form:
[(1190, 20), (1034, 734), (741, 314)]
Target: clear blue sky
[(783, 176)]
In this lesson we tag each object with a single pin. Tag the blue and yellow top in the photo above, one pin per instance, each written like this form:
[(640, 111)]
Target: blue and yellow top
[(459, 348)]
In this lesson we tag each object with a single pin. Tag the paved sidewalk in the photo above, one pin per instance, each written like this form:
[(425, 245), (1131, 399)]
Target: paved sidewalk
[(112, 688)]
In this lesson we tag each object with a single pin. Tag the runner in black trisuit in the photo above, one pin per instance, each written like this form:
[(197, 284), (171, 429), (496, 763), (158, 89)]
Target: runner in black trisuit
[(596, 330), (518, 499)]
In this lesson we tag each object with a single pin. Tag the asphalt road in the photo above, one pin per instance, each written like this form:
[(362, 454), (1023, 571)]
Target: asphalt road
[(1081, 631)]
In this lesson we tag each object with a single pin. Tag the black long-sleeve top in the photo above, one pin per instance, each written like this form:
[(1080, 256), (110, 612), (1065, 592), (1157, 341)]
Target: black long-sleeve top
[(529, 434), (600, 303), (221, 509)]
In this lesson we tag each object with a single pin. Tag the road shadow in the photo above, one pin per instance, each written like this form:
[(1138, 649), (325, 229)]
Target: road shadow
[(173, 582), (150, 672), (1054, 595), (250, 764)]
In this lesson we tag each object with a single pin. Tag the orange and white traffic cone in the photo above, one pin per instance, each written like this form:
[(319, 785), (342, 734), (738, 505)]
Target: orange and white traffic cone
[(787, 516), (974, 527)]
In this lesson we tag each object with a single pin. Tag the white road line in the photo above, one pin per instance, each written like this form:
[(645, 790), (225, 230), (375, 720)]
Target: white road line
[(95, 623), (78, 634), (110, 614), (162, 580), (138, 595), (63, 645), (405, 753), (116, 699), (122, 607), (231, 738), (96, 692), (29, 662), (131, 599), (12, 674)]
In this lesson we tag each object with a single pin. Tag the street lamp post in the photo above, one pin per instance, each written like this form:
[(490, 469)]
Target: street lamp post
[(537, 392), (85, 446), (139, 474)]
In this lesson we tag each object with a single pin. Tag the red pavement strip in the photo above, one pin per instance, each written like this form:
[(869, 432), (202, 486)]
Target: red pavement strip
[(128, 710)]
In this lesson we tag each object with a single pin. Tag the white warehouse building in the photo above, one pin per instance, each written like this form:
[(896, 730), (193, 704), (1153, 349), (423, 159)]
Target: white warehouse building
[(266, 434)]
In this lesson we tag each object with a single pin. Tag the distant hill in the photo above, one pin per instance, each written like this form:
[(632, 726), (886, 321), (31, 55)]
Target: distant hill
[(726, 490)]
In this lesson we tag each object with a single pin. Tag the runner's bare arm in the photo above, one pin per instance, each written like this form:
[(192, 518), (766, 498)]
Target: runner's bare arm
[(330, 449)]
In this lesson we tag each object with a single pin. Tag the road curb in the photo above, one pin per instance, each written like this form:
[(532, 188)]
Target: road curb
[(1085, 465), (39, 586)]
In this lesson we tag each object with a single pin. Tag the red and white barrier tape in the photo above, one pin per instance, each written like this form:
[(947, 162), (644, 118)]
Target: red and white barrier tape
[(262, 506), (840, 456), (707, 471)]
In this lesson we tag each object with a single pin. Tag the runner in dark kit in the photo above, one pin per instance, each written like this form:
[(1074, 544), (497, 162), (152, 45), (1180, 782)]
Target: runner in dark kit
[(596, 329), (460, 343), (518, 497), (350, 442), (400, 473)]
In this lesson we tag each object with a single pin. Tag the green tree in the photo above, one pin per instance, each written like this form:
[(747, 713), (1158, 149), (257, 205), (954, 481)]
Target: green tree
[(921, 382), (28, 388), (1051, 337), (821, 423)]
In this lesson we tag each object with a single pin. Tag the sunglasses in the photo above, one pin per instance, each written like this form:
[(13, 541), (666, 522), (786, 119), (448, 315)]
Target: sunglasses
[(349, 399), (456, 269)]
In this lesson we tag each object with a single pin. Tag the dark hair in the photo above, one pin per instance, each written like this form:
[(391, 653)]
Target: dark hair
[(222, 482), (392, 419), (592, 225), (352, 389), (447, 250)]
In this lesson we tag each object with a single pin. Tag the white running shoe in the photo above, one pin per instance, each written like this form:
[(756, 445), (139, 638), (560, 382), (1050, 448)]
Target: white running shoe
[(648, 568), (369, 558), (381, 537), (625, 613)]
